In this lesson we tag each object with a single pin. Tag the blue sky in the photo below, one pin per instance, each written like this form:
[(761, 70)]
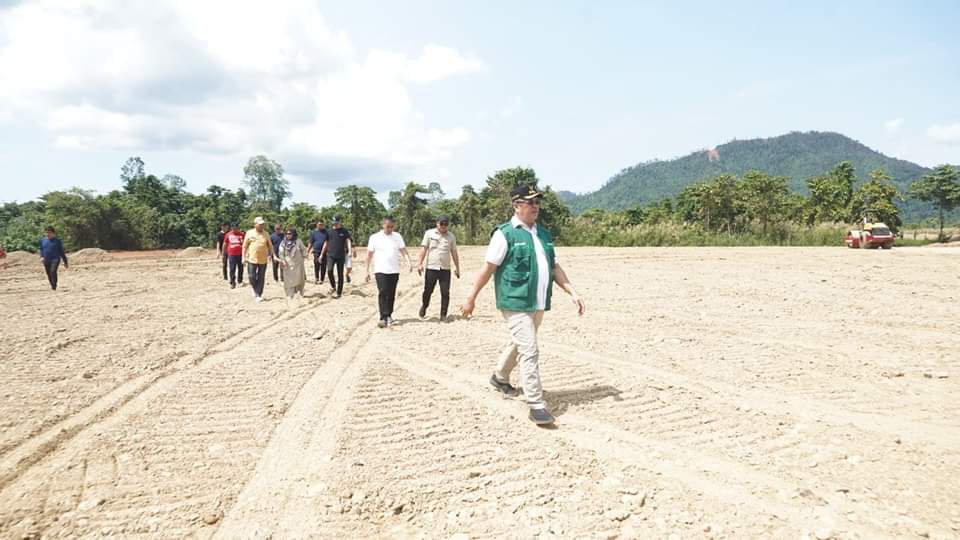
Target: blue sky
[(380, 93)]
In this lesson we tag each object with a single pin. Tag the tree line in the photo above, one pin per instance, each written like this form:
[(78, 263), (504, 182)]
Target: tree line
[(759, 208), (154, 212)]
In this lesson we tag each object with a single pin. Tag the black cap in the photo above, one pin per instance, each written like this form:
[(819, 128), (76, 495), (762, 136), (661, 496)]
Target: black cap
[(444, 219), (336, 219), (525, 193)]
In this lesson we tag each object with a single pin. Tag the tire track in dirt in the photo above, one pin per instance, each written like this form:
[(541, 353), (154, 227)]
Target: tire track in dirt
[(20, 457), (415, 459), (715, 477), (828, 460), (290, 472), (183, 445), (843, 336), (811, 458), (782, 403), (397, 455)]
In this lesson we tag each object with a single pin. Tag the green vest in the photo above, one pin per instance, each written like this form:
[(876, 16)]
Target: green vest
[(516, 277)]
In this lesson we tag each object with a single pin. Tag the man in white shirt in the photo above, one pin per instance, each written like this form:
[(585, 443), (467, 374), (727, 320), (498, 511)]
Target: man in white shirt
[(383, 254), (523, 262), (438, 249)]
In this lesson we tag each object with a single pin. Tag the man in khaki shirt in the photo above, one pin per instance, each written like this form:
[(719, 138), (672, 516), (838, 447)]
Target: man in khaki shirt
[(438, 247), (257, 251)]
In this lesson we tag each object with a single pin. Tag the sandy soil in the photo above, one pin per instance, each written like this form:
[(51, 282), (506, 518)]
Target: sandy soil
[(727, 393)]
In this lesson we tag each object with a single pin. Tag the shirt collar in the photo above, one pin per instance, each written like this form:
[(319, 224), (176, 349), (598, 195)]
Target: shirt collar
[(515, 222)]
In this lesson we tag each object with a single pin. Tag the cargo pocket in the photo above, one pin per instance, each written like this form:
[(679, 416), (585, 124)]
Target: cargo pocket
[(518, 284)]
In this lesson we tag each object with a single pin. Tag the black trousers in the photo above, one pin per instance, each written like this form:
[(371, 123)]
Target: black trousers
[(338, 264), (319, 267), (236, 269), (277, 271), (258, 276), (387, 285), (225, 258), (52, 267), (430, 281)]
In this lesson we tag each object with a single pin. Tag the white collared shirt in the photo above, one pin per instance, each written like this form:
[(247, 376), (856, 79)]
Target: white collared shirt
[(386, 252), (497, 251)]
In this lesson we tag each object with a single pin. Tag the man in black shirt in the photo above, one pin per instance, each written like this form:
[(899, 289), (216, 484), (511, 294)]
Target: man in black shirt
[(317, 239), (276, 239), (335, 249), (221, 250)]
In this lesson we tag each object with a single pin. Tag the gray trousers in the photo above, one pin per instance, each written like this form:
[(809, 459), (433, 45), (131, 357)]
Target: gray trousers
[(523, 349)]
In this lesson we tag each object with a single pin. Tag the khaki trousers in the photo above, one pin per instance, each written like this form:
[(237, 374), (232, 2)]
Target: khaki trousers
[(524, 349)]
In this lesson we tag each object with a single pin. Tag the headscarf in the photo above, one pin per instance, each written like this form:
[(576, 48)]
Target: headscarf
[(290, 243)]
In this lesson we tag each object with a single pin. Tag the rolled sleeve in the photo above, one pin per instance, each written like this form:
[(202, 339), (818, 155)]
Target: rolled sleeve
[(497, 249)]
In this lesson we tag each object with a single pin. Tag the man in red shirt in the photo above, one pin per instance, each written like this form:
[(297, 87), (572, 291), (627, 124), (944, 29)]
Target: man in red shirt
[(233, 245)]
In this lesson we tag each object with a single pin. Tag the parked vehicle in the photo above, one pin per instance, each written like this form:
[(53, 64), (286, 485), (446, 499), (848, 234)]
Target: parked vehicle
[(870, 236)]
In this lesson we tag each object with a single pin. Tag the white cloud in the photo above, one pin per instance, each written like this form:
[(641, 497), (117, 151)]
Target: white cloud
[(948, 134), (893, 126), (438, 62), (219, 76)]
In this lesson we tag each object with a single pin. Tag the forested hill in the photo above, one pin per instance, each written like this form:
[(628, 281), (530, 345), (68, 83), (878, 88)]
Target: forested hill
[(798, 156)]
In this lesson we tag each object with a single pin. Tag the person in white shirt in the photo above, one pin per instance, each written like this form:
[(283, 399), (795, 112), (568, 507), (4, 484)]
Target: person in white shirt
[(383, 254)]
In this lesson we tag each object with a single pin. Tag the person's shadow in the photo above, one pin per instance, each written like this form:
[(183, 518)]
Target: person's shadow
[(429, 320), (560, 400)]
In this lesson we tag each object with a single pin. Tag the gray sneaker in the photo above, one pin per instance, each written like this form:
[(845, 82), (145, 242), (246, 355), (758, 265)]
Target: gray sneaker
[(541, 417), (504, 388), (389, 321), (382, 323)]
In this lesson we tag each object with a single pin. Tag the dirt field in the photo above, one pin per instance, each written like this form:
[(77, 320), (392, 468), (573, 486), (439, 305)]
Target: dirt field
[(725, 393)]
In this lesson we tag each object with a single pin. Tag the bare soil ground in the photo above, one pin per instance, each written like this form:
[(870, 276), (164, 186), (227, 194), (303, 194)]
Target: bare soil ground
[(723, 392)]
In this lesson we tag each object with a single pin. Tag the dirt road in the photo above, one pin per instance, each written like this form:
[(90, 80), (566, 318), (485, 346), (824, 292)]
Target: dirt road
[(727, 393)]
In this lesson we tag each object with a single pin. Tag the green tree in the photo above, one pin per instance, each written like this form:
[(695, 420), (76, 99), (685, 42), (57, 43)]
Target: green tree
[(874, 201), (764, 197), (174, 182), (715, 203), (363, 211), (132, 169), (940, 188), (20, 225), (411, 210), (76, 216), (264, 179), (498, 206), (830, 195), (470, 208), (302, 216), (435, 193)]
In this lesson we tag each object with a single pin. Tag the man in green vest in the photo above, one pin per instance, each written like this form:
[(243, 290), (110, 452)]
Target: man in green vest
[(522, 260)]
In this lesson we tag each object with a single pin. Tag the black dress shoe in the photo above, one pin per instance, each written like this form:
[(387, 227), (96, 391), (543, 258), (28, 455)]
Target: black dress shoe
[(504, 387), (541, 417)]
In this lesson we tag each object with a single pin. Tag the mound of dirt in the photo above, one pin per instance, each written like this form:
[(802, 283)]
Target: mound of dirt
[(90, 255), (192, 252), (18, 258), (954, 244)]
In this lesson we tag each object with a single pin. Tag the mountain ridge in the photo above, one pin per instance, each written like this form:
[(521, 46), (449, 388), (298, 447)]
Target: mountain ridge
[(796, 155)]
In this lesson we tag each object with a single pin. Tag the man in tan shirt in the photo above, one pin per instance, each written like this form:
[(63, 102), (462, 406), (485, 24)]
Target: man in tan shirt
[(257, 252), (438, 247)]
